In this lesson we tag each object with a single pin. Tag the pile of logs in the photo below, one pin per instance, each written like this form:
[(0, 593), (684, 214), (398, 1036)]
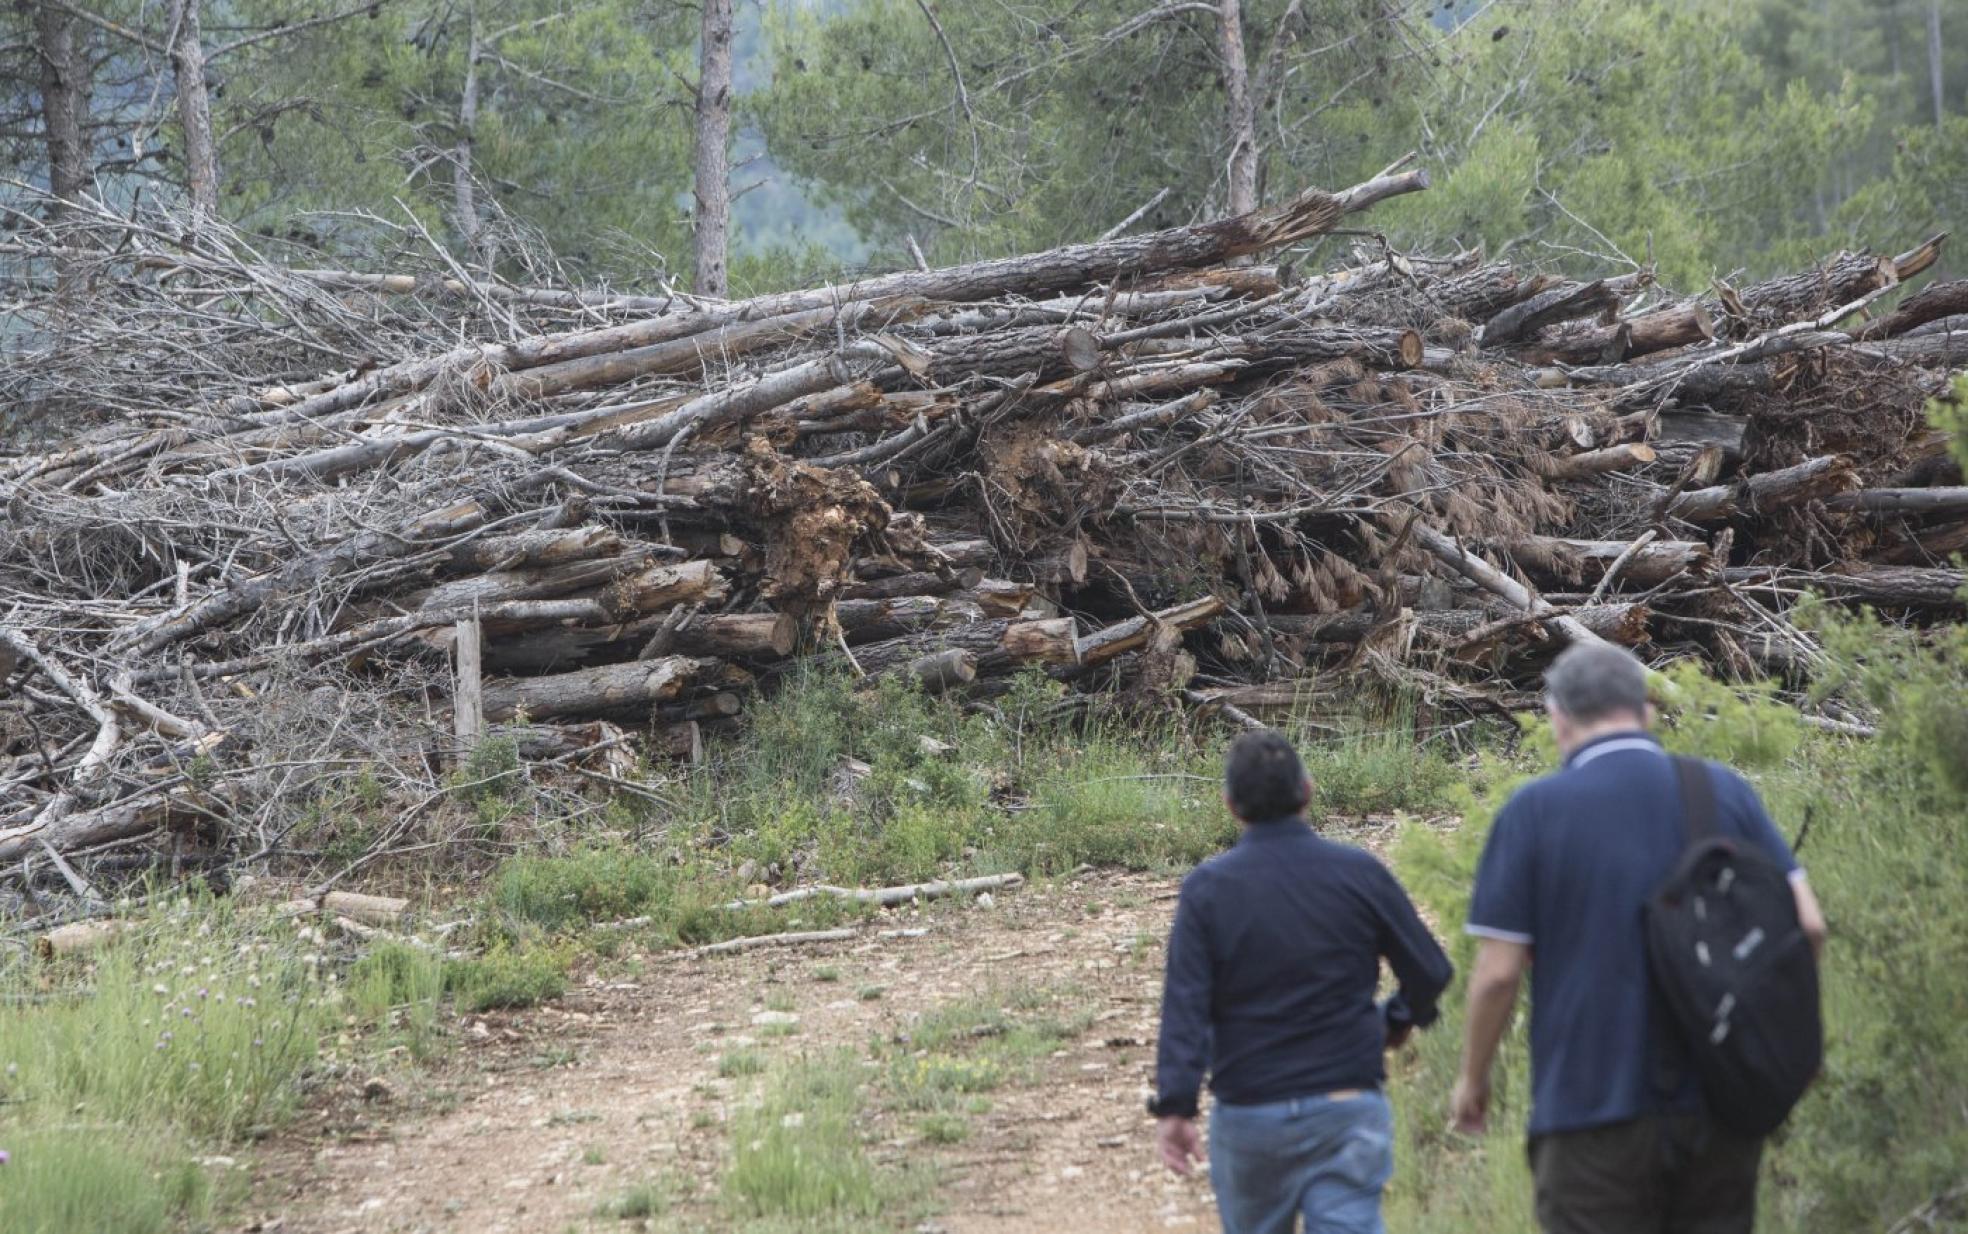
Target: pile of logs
[(1155, 465)]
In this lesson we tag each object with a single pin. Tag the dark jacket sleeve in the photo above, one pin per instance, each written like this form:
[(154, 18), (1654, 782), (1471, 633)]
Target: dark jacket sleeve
[(1183, 1052), (1420, 965)]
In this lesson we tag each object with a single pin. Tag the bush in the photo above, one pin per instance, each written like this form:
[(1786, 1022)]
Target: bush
[(68, 1179), (507, 976), (798, 1154)]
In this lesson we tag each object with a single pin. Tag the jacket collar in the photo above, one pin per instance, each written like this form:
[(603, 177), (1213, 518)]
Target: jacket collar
[(1275, 829), (1610, 743)]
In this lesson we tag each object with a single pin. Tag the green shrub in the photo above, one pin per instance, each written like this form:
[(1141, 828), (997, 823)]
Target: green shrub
[(94, 1177), (507, 976), (798, 1153), (398, 985)]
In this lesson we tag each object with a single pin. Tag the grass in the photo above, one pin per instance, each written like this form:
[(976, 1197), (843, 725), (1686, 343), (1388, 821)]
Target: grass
[(639, 1203), (189, 1034), (798, 1153), (742, 1062), (507, 976)]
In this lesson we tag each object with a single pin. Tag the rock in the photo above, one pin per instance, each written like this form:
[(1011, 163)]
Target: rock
[(375, 1088), (764, 1018), (986, 900), (748, 871)]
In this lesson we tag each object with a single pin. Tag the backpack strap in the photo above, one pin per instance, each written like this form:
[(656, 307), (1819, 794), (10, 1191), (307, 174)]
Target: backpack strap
[(1697, 798)]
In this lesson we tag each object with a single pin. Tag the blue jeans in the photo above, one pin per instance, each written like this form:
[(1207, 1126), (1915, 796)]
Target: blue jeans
[(1325, 1158)]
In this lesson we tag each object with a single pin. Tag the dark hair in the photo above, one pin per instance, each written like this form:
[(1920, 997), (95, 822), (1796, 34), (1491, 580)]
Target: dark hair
[(1264, 779)]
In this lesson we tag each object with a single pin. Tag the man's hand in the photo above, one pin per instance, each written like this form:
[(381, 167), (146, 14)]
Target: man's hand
[(1398, 1034), (1178, 1142), (1469, 1106)]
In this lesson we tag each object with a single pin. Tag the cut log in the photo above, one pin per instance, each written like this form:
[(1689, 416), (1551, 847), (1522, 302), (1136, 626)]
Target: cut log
[(1841, 279), (1131, 635), (1931, 303), (921, 583), (1488, 577), (368, 909), (1623, 623), (998, 646), (870, 621), (1563, 303), (738, 636), (1593, 462), (1683, 326), (1945, 501), (467, 702), (612, 688), (529, 583), (1931, 545), (1812, 480), (941, 670), (538, 548), (681, 742), (661, 587), (1885, 586), (1584, 561)]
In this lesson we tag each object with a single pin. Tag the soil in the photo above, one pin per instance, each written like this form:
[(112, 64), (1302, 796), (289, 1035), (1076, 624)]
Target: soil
[(536, 1118)]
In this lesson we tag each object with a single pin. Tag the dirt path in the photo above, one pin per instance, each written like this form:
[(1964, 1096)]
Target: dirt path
[(540, 1117)]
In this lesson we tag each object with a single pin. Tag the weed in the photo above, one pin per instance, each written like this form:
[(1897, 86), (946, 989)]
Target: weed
[(826, 973), (943, 1129), (798, 1153), (638, 1203), (593, 1155), (869, 993), (507, 976), (741, 1062)]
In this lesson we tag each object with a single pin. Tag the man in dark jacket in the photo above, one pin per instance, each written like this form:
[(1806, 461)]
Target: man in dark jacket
[(1570, 862), (1272, 968)]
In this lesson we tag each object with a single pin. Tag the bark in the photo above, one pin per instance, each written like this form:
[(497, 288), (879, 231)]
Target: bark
[(1133, 634), (1884, 585), (464, 190), (921, 583), (65, 87), (1948, 500), (1843, 278), (1935, 545), (877, 620), (1932, 303), (943, 670), (201, 153), (532, 549), (635, 687), (1562, 303), (1585, 561), (712, 219), (1636, 336), (1489, 578), (1483, 293), (999, 646), (661, 587), (1591, 463), (1813, 479), (1935, 81), (531, 583), (1242, 117), (737, 636)]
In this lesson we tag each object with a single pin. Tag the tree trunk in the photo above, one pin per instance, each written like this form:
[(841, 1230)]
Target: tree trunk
[(712, 219), (633, 687), (1584, 561), (741, 636), (1935, 83), (65, 82), (464, 192), (1947, 500), (201, 152), (998, 646), (1242, 113)]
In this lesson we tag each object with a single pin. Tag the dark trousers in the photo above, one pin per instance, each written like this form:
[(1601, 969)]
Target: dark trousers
[(1677, 1174)]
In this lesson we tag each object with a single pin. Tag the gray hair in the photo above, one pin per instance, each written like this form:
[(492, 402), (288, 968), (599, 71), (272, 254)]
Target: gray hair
[(1591, 681)]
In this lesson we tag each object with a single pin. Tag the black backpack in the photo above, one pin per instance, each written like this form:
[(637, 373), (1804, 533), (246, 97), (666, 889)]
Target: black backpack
[(1733, 972)]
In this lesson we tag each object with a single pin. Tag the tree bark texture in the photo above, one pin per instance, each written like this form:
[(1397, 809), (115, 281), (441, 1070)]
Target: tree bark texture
[(711, 221), (201, 153), (1242, 112)]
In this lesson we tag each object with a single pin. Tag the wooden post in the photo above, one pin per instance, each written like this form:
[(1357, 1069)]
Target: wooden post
[(468, 698)]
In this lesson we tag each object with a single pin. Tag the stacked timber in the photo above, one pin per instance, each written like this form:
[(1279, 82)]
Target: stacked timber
[(1152, 465)]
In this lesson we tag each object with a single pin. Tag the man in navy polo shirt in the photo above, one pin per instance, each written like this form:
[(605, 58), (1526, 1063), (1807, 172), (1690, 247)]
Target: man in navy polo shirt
[(1272, 969), (1570, 862)]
